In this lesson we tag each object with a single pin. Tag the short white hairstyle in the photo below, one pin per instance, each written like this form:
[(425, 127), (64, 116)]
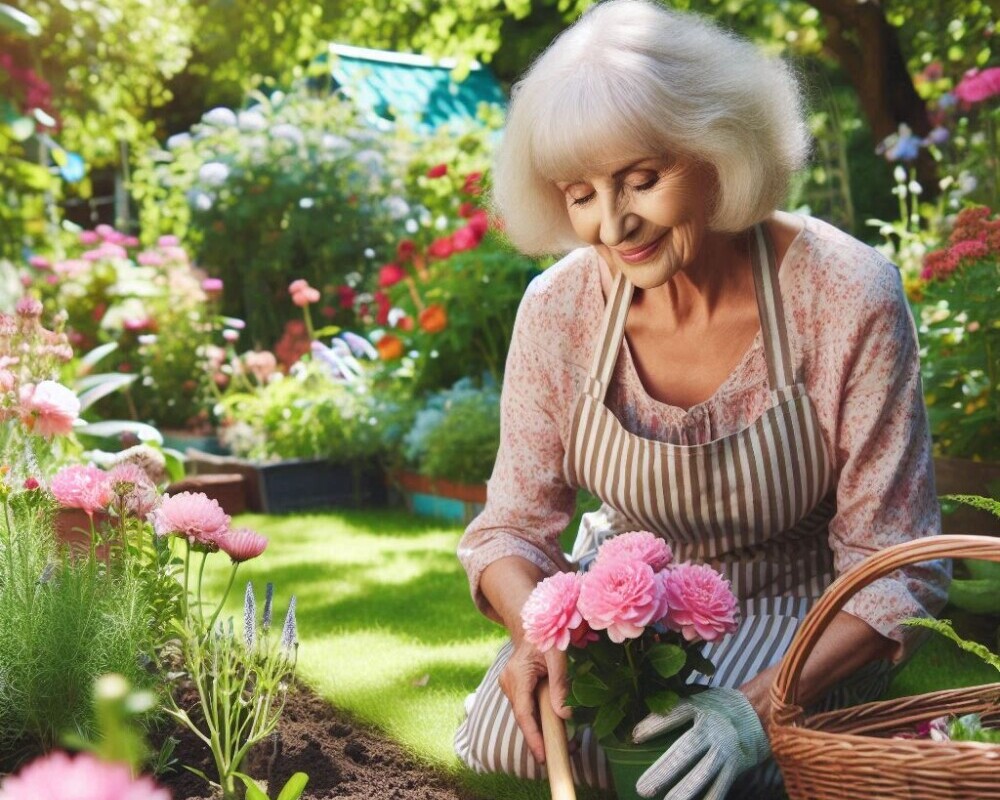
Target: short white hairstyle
[(633, 79)]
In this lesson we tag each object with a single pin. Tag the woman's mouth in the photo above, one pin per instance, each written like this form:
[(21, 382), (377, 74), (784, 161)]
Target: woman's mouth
[(640, 254)]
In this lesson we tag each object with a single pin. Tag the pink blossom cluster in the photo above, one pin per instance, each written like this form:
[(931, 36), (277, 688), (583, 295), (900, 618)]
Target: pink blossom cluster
[(59, 776), (302, 293), (632, 585), (978, 85), (973, 237), (48, 408), (202, 521)]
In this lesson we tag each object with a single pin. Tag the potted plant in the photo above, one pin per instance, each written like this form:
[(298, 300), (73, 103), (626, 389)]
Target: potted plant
[(955, 307), (449, 451)]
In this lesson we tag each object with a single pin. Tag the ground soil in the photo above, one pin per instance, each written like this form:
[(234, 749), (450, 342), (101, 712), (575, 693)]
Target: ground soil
[(344, 760)]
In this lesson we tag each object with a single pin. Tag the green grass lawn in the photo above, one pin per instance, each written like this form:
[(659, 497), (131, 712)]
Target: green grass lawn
[(389, 634)]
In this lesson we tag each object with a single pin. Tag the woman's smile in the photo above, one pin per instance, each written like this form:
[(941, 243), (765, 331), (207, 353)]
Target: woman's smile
[(644, 253)]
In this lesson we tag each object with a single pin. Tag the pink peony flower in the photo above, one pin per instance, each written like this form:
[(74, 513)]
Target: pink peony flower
[(49, 408), (193, 515), (622, 597), (242, 544), (59, 776), (130, 482), (550, 615), (82, 486), (212, 285), (977, 85), (699, 602), (168, 241), (637, 546)]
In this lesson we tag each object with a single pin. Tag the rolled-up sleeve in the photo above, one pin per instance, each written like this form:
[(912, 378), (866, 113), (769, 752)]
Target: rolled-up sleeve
[(528, 502), (885, 491)]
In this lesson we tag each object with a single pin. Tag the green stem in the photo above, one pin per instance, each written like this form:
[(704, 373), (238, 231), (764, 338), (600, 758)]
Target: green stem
[(201, 575), (187, 564), (632, 670), (215, 616)]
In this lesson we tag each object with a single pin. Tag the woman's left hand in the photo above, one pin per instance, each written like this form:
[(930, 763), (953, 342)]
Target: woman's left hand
[(726, 739)]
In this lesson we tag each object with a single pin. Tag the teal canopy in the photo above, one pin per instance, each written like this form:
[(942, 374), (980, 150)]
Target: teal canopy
[(409, 88)]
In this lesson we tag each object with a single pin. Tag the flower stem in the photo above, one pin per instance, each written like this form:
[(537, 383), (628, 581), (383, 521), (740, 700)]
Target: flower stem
[(225, 594)]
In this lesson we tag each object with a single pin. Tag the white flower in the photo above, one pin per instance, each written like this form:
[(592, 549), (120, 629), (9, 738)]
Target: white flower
[(220, 117), (396, 207), (370, 159), (289, 133), (412, 226), (252, 120), (332, 142), (441, 222), (178, 140), (213, 173), (369, 253), (306, 202), (202, 201)]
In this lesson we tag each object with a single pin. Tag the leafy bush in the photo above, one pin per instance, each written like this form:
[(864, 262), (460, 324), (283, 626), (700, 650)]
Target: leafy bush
[(457, 434)]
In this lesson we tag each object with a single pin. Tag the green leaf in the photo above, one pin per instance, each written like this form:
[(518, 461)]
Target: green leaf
[(667, 659), (254, 792), (109, 383), (294, 788), (109, 428), (589, 690), (662, 702), (698, 663), (11, 19), (944, 627), (607, 720), (91, 357), (982, 503)]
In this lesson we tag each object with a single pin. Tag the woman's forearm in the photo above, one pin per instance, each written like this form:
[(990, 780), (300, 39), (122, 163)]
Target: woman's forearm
[(845, 646), (506, 584)]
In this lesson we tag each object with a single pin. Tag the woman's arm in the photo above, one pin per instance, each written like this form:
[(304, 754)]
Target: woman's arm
[(847, 645), (506, 584)]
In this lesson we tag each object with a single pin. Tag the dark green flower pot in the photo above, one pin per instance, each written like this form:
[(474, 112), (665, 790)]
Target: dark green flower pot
[(628, 761)]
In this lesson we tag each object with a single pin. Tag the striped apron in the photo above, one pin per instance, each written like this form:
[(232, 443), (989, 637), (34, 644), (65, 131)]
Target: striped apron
[(755, 505)]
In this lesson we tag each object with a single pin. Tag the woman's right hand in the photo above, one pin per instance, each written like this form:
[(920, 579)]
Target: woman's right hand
[(519, 681)]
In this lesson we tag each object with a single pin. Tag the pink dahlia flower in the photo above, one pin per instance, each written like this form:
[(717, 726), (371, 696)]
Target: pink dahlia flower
[(622, 597), (58, 776), (49, 408), (242, 544), (193, 515), (551, 615), (699, 602), (82, 486), (637, 546)]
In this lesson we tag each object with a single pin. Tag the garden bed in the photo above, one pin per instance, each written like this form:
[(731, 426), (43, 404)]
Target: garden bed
[(343, 760)]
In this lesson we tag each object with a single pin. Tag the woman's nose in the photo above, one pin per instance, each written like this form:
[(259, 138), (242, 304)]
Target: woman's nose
[(616, 222)]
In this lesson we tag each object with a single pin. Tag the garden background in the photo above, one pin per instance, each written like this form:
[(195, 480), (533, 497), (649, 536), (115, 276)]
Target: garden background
[(264, 272)]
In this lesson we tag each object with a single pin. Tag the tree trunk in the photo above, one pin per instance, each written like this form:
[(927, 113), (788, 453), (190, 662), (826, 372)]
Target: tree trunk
[(867, 48)]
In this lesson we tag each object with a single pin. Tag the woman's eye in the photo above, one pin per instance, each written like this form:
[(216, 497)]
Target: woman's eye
[(646, 184), (583, 200)]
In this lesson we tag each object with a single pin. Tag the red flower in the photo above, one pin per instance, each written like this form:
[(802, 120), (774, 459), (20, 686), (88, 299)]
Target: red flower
[(347, 295), (437, 171), (472, 183), (390, 275), (31, 484), (434, 319), (389, 348), (465, 239), (480, 223), (405, 323), (441, 248), (384, 306), (405, 250), (466, 210)]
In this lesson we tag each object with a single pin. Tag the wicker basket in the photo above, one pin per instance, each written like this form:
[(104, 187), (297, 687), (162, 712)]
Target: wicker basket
[(849, 754)]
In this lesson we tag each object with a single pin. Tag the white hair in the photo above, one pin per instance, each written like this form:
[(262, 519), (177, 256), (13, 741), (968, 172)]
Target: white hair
[(634, 79)]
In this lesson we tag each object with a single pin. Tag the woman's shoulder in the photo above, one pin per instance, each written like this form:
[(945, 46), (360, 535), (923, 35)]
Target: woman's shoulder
[(561, 308), (833, 267)]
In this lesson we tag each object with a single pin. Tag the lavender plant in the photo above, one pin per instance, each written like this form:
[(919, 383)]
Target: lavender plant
[(242, 683)]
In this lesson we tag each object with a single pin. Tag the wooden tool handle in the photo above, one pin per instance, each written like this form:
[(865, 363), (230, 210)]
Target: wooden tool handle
[(556, 747)]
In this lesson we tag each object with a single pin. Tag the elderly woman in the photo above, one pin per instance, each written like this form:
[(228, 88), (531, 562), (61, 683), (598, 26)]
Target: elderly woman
[(743, 382)]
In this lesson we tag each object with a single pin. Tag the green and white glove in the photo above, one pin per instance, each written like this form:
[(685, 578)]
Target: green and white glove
[(726, 739)]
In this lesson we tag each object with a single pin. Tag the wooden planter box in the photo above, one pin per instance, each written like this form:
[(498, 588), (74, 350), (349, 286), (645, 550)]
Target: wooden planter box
[(435, 497), (72, 528), (296, 485), (963, 476)]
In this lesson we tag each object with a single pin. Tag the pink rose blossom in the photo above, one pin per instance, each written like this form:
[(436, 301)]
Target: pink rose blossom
[(49, 408), (59, 776), (551, 615), (699, 601), (82, 486), (390, 275), (622, 597), (977, 85), (193, 515), (638, 546), (168, 241), (212, 285), (242, 544)]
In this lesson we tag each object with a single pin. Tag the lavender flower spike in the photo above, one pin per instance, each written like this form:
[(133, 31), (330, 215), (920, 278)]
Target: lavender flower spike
[(289, 634), (249, 617), (268, 600)]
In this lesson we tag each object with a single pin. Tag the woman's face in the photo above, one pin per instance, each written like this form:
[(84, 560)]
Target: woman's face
[(648, 217)]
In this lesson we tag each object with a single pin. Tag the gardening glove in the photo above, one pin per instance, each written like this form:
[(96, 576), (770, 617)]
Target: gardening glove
[(726, 739)]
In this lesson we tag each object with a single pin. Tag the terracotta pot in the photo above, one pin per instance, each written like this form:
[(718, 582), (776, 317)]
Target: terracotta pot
[(964, 476), (72, 528)]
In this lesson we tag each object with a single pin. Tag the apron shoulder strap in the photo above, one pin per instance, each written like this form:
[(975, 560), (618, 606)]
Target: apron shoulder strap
[(780, 373), (610, 337)]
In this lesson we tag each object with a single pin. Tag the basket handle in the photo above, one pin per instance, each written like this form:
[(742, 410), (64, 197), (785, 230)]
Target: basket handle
[(784, 691)]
